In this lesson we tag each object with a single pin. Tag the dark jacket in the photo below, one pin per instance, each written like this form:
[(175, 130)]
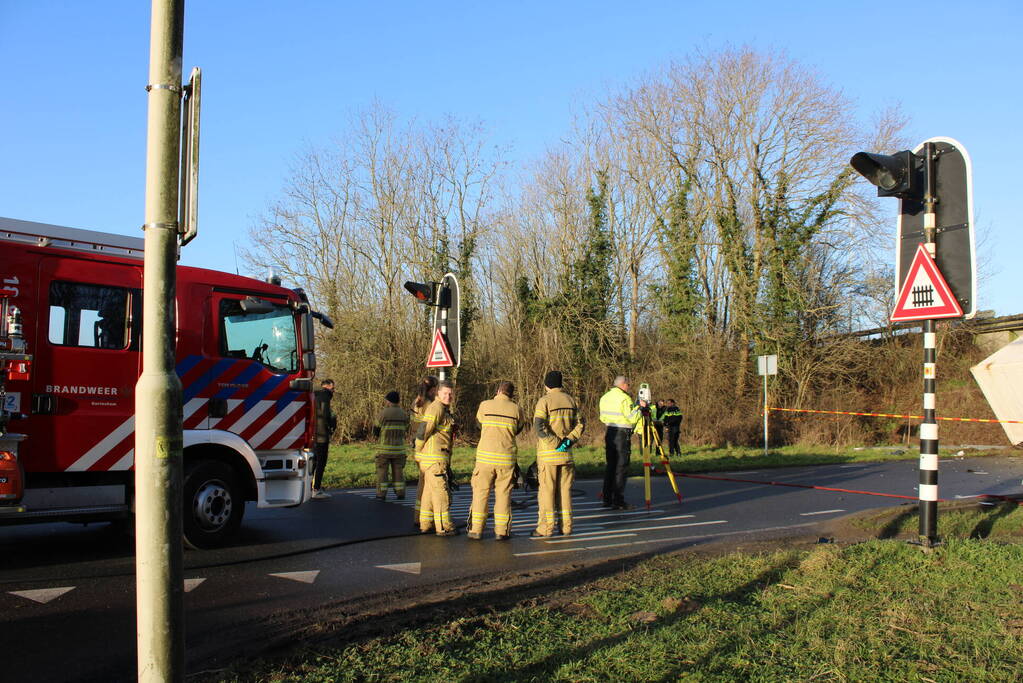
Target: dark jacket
[(326, 423), (672, 417)]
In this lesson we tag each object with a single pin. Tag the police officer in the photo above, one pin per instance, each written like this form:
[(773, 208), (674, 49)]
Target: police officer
[(392, 431), (673, 423), (326, 423), (436, 431), (558, 425), (424, 397), (500, 420), (621, 415)]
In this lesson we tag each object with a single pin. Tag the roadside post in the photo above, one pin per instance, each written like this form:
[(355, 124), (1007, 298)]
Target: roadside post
[(766, 365), (446, 345), (172, 168), (935, 268)]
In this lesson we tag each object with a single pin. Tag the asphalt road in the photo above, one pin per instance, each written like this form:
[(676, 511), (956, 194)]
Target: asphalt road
[(67, 592)]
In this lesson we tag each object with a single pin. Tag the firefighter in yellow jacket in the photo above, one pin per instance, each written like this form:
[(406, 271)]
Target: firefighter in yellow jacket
[(621, 415), (424, 397), (436, 431), (500, 420), (392, 431), (558, 425)]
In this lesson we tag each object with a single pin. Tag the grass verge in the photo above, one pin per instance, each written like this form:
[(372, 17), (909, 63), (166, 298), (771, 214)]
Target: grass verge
[(352, 465), (881, 610)]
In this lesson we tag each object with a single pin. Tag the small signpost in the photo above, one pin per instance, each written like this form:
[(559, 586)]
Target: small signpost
[(766, 365), (935, 237)]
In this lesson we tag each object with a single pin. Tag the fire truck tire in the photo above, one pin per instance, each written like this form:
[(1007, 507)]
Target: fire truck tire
[(213, 505)]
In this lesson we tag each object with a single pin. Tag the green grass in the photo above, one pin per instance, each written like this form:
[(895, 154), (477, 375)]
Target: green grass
[(999, 522), (352, 465), (874, 611)]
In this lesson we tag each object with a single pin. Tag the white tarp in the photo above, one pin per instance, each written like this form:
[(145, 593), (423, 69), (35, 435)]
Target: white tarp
[(1000, 377)]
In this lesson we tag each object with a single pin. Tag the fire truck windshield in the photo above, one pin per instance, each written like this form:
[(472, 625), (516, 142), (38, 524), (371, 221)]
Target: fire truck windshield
[(268, 338)]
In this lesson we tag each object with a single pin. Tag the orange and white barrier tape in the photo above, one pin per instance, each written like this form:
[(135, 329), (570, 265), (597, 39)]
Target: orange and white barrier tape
[(908, 417)]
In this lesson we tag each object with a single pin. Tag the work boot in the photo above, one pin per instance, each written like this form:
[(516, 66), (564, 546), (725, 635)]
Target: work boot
[(320, 495), (502, 537), (474, 535), (449, 532), (537, 534), (624, 506), (427, 530)]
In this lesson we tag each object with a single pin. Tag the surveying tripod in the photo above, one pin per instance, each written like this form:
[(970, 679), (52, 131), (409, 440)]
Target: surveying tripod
[(650, 443)]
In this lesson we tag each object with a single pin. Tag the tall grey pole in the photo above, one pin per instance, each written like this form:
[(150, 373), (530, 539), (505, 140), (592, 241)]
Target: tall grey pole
[(928, 490), (158, 489), (765, 410)]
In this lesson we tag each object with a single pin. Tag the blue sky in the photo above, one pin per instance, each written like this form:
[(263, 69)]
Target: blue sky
[(280, 77)]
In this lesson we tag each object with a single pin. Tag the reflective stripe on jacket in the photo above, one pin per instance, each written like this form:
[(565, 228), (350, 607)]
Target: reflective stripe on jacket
[(435, 431), (393, 423), (500, 419), (556, 417), (618, 410)]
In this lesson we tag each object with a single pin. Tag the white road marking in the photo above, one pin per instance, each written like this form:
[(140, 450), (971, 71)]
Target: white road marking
[(962, 497), (405, 567), (654, 528), (618, 514), (571, 539), (192, 584), (657, 519), (675, 526), (43, 595), (819, 512), (661, 540), (301, 577)]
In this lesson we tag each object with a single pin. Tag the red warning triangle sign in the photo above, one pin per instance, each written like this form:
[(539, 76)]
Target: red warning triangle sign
[(925, 294), (440, 354)]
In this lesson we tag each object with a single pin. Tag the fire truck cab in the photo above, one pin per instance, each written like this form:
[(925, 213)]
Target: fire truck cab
[(245, 359)]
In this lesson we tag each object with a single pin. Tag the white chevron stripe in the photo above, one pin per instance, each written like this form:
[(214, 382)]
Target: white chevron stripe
[(294, 434), (273, 425), (126, 462), (248, 418), (94, 454), (192, 406)]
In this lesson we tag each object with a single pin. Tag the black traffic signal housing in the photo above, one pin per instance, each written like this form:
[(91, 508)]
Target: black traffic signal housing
[(898, 175), (430, 293)]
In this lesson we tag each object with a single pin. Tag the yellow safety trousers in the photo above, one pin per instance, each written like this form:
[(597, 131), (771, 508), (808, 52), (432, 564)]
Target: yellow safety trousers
[(555, 495), (435, 509), (484, 478)]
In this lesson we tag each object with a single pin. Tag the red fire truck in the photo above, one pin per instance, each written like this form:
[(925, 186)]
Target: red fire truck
[(244, 355)]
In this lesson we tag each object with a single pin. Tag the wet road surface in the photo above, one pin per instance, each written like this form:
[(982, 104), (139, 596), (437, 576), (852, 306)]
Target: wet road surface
[(67, 593)]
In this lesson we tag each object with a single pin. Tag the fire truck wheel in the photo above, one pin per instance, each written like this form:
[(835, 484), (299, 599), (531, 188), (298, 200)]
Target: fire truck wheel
[(214, 504)]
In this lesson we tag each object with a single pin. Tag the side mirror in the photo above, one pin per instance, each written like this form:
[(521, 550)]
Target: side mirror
[(301, 384), (324, 320)]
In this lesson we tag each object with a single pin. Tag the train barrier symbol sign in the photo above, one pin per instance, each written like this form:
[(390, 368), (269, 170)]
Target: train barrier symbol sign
[(925, 294), (440, 354)]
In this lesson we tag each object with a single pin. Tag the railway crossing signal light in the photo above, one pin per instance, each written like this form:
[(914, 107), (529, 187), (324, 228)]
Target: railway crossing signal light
[(898, 175), (430, 293)]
